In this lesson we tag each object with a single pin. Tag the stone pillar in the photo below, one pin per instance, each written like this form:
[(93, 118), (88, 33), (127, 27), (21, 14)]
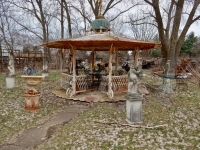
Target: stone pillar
[(10, 82), (167, 85), (134, 108)]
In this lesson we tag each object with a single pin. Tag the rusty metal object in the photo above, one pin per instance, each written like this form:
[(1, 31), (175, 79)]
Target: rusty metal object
[(32, 96), (32, 100)]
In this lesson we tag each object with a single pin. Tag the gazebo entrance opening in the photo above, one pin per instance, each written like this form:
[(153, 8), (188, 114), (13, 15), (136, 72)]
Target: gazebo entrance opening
[(92, 73)]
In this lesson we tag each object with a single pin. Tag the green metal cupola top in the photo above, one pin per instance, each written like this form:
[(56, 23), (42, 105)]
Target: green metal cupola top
[(100, 24)]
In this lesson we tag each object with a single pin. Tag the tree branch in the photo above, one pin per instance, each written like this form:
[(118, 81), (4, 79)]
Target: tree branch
[(122, 13), (81, 14), (148, 2), (108, 7), (26, 28), (130, 125)]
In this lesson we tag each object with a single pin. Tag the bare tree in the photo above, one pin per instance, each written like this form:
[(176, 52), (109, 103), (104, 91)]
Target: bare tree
[(142, 29), (196, 49), (38, 11), (173, 19), (68, 16), (62, 12), (7, 27), (99, 7), (8, 30), (110, 5), (118, 26), (62, 19)]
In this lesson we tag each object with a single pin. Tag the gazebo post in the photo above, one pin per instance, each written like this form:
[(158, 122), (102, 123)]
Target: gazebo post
[(61, 59), (110, 91), (92, 63), (73, 71), (136, 56), (117, 60), (92, 59), (61, 65)]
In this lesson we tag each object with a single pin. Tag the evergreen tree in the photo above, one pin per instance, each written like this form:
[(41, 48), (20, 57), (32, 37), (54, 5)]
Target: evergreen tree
[(188, 44)]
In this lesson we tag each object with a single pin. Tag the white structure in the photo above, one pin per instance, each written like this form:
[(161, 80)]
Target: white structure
[(10, 78), (11, 66), (167, 85)]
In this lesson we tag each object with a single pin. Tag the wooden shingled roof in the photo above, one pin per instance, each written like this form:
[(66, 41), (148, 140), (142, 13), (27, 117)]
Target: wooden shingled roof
[(101, 42)]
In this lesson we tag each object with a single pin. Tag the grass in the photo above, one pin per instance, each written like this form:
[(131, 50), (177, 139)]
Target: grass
[(13, 117), (180, 111), (181, 114)]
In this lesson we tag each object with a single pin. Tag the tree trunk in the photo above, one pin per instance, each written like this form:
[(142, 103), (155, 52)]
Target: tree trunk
[(44, 29), (68, 18), (1, 53), (175, 30), (170, 37), (62, 21)]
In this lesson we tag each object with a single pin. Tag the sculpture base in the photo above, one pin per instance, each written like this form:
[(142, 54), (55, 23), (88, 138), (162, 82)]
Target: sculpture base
[(134, 97), (45, 75), (32, 101), (133, 122), (10, 82), (134, 108), (167, 86)]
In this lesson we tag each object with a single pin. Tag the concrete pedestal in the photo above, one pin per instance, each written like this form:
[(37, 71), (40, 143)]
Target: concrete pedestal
[(167, 86), (10, 82), (134, 108), (45, 75)]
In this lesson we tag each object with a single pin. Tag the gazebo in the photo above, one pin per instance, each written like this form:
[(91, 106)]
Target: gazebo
[(99, 39)]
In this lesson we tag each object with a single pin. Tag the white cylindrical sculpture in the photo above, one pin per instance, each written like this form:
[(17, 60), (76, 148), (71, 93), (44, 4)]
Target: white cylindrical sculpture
[(10, 82), (167, 85), (10, 77), (45, 75)]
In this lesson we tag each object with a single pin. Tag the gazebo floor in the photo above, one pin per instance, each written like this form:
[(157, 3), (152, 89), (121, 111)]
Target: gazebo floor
[(90, 96)]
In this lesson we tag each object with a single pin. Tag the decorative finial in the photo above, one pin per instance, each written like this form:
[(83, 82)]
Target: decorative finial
[(100, 29)]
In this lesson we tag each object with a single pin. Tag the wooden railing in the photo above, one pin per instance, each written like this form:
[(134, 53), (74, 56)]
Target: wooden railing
[(81, 82), (119, 84)]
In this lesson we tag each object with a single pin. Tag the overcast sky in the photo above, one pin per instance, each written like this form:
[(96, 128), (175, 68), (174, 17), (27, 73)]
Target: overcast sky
[(195, 28)]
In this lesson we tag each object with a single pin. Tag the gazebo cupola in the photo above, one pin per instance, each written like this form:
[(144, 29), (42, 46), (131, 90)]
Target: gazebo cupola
[(100, 24)]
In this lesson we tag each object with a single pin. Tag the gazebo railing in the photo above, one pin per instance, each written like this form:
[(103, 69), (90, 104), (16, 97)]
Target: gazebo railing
[(119, 84), (66, 80), (81, 82)]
